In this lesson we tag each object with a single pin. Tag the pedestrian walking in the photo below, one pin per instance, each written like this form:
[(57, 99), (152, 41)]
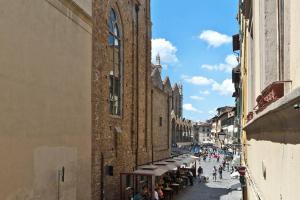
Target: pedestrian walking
[(200, 172), (232, 169), (227, 165), (190, 176), (220, 171), (214, 173)]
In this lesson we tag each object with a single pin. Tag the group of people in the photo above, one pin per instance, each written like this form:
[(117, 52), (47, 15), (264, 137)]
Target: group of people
[(180, 177), (143, 195), (210, 154), (217, 170), (183, 177)]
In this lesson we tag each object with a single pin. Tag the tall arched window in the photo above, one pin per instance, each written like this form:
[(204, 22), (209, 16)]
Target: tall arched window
[(115, 60)]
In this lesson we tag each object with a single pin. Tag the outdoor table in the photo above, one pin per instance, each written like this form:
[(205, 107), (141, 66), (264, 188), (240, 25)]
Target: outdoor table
[(180, 182), (168, 193), (175, 186), (185, 180)]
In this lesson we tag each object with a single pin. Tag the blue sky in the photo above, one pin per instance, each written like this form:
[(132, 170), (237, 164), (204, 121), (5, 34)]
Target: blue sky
[(193, 38)]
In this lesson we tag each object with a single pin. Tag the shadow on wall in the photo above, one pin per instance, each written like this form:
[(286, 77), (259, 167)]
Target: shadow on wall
[(278, 124), (292, 138)]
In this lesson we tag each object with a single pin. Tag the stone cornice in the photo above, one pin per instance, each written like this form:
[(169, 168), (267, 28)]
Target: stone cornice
[(77, 14)]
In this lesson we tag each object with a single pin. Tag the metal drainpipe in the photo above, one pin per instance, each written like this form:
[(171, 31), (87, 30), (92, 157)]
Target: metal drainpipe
[(137, 85), (152, 148), (132, 89), (58, 185), (146, 76), (102, 177)]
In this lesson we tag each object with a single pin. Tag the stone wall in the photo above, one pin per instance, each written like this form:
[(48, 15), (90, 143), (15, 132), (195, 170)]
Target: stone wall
[(161, 124), (120, 141)]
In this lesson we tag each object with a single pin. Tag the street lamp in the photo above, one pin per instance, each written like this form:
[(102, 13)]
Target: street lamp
[(221, 136)]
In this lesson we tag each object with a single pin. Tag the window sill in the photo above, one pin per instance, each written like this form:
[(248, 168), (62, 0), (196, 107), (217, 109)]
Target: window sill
[(115, 116)]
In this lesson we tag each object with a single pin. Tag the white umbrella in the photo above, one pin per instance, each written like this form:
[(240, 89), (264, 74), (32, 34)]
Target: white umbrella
[(195, 157), (235, 175)]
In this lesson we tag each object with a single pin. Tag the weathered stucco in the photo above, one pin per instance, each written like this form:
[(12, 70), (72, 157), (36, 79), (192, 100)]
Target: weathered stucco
[(294, 43), (271, 141), (45, 83), (270, 42)]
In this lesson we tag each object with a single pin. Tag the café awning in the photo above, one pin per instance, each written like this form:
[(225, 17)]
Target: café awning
[(176, 161), (185, 160), (166, 165), (150, 170)]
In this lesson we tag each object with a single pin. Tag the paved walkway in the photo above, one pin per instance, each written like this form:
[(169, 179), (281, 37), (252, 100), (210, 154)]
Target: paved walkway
[(224, 189)]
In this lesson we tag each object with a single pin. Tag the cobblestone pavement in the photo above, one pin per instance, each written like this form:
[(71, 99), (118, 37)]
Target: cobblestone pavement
[(222, 189)]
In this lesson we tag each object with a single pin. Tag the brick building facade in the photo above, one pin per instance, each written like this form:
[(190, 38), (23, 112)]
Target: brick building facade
[(131, 115)]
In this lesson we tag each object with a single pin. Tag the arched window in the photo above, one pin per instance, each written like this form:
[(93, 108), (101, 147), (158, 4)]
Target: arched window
[(115, 61)]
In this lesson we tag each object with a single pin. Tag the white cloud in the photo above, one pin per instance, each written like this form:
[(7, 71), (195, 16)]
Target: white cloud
[(205, 92), (183, 76), (215, 39), (190, 107), (230, 62), (197, 98), (165, 49), (225, 88), (209, 67), (199, 80)]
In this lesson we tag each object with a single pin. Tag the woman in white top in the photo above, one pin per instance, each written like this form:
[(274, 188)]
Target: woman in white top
[(156, 194)]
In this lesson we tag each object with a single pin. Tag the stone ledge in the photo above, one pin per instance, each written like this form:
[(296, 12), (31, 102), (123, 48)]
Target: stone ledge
[(279, 116)]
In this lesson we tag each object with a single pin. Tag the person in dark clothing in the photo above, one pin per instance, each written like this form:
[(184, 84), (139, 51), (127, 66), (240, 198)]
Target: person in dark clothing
[(190, 176), (215, 173), (178, 173), (224, 163), (200, 172), (220, 171)]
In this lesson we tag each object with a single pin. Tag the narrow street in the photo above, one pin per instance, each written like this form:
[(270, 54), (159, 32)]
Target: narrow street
[(117, 99), (224, 189)]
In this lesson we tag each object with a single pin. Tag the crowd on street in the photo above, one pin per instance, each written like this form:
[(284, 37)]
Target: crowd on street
[(217, 177), (209, 166)]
